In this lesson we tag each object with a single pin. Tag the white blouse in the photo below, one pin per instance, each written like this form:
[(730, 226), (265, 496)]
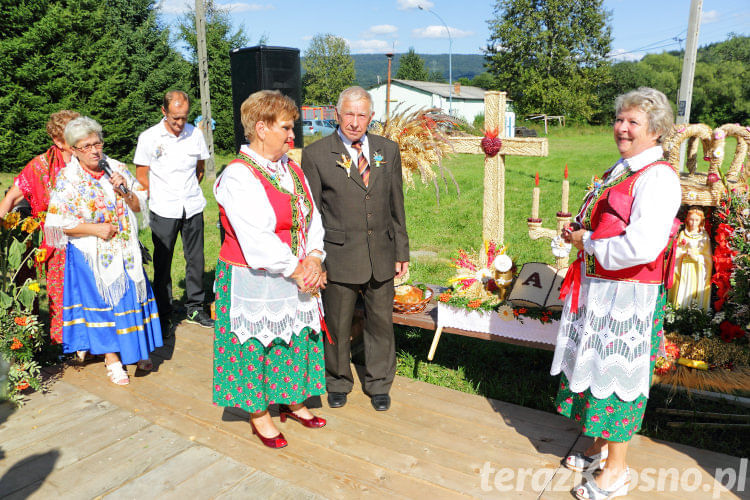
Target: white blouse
[(245, 203)]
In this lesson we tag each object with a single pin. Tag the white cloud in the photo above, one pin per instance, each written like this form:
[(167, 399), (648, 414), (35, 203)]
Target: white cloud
[(174, 6), (178, 7), (381, 29), (370, 46), (619, 55), (439, 32), (710, 17), (414, 4), (245, 7)]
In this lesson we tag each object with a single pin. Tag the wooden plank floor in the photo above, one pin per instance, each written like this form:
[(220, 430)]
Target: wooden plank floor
[(161, 437)]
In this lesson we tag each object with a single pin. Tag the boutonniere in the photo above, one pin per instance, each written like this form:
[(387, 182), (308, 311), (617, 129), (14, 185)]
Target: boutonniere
[(346, 164), (378, 157), (595, 185)]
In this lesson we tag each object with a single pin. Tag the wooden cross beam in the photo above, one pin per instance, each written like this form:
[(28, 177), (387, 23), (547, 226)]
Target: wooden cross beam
[(493, 214)]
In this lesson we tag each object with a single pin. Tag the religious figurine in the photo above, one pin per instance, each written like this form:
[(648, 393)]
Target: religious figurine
[(693, 264)]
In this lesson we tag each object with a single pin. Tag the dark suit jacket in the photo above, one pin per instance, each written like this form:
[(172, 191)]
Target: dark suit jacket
[(365, 228)]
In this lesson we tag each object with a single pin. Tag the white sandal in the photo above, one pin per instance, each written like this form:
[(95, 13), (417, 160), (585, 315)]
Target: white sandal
[(589, 490), (117, 374), (579, 462)]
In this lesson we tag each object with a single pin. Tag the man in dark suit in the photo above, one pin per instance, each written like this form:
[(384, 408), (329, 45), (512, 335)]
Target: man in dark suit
[(356, 182)]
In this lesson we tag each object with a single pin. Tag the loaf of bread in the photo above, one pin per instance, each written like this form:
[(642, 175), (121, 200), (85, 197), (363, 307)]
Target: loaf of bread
[(408, 294)]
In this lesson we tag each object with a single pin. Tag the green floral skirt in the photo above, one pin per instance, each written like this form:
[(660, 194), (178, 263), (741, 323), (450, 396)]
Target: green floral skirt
[(251, 376), (611, 418)]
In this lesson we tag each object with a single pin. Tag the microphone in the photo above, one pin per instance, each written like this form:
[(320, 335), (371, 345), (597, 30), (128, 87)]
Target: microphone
[(108, 172)]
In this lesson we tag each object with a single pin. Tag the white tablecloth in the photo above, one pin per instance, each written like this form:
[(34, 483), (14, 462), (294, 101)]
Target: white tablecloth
[(490, 322)]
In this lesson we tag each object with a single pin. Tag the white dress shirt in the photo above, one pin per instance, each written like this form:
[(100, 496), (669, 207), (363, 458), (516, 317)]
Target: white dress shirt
[(173, 185), (353, 153)]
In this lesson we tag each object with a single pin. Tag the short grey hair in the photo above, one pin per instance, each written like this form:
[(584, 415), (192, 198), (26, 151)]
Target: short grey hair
[(652, 102), (354, 93), (80, 128)]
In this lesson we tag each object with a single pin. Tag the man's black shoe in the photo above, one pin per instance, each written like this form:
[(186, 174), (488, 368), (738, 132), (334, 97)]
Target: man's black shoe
[(167, 328), (198, 317), (381, 402), (336, 399)]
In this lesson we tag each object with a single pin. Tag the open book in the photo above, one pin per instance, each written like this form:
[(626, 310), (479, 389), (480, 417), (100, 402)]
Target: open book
[(538, 285)]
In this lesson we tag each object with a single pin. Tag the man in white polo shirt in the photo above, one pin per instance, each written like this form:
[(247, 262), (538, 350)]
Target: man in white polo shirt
[(169, 162)]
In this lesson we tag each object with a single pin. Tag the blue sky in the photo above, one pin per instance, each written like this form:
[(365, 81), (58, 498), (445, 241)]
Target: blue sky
[(379, 26)]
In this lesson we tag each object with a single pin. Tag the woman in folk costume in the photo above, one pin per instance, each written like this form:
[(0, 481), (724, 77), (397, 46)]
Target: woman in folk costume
[(694, 264), (34, 183), (108, 304), (267, 345), (611, 326)]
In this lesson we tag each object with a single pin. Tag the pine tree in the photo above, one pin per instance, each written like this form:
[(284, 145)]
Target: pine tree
[(108, 60), (411, 67), (550, 55)]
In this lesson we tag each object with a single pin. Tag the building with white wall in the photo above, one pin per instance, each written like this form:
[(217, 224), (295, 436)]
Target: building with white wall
[(468, 102)]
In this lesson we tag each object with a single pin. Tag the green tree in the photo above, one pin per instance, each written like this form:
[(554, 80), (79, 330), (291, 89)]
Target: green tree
[(436, 76), (484, 81), (721, 94), (103, 59), (329, 69), (220, 39), (550, 55), (411, 67)]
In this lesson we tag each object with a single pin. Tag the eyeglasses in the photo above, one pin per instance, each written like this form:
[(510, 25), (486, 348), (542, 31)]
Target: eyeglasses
[(90, 147)]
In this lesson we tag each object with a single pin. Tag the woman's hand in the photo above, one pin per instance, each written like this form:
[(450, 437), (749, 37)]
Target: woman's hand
[(309, 275), (576, 238), (131, 199), (105, 230), (311, 270), (117, 180)]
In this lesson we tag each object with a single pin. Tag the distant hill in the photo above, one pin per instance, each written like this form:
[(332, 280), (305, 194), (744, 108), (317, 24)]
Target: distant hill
[(369, 66)]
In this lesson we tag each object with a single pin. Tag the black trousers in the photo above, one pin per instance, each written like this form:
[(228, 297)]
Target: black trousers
[(164, 232), (339, 300)]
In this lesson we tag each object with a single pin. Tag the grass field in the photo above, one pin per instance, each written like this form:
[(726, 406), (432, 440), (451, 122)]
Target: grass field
[(509, 373)]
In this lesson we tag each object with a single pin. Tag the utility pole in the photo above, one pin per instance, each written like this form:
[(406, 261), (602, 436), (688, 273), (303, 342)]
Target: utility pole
[(389, 55), (685, 94), (200, 28)]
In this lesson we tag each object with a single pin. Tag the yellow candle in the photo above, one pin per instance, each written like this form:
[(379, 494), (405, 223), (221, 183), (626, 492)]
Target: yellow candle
[(565, 191), (535, 198)]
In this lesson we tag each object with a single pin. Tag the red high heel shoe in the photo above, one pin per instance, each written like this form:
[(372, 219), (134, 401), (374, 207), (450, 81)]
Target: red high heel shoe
[(312, 423), (276, 442)]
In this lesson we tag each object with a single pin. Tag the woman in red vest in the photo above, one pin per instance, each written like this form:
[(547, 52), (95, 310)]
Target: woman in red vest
[(267, 343), (611, 327)]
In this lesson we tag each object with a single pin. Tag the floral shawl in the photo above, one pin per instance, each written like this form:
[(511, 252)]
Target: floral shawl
[(78, 197)]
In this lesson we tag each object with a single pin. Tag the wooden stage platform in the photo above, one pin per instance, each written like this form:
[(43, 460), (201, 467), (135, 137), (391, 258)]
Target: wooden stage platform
[(160, 437)]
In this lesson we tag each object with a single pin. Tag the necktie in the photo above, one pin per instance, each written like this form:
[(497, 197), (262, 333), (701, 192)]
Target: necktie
[(362, 165)]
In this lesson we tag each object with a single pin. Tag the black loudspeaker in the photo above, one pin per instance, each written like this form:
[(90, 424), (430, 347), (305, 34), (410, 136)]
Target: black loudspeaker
[(264, 68)]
